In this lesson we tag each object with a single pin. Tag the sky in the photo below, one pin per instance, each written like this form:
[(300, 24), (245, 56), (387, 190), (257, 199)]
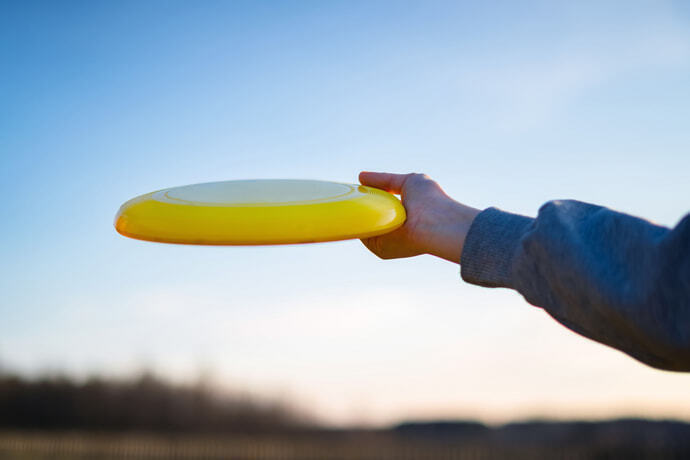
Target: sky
[(505, 104)]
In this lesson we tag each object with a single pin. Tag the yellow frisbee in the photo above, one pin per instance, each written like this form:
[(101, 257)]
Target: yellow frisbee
[(249, 212)]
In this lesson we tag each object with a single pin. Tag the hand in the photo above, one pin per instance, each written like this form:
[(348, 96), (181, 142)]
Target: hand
[(436, 224)]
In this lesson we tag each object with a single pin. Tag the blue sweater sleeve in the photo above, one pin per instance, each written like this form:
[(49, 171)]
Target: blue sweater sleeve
[(614, 278)]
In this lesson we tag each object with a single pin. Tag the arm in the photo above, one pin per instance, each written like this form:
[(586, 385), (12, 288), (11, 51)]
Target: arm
[(616, 279)]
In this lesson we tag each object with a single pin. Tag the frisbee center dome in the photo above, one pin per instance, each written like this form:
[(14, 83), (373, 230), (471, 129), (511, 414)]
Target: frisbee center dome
[(251, 192)]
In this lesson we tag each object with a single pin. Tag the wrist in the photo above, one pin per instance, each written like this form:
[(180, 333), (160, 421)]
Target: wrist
[(445, 237)]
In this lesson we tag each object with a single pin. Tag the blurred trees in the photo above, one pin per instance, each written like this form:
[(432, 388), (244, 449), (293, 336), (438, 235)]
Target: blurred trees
[(146, 403)]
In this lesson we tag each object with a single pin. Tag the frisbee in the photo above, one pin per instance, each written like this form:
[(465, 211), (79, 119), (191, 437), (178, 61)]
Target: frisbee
[(267, 211)]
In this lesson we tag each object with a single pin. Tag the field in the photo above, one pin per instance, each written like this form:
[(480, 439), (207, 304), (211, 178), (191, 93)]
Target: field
[(326, 445)]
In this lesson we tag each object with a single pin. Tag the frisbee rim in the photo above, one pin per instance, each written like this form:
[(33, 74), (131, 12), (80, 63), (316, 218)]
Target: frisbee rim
[(370, 205)]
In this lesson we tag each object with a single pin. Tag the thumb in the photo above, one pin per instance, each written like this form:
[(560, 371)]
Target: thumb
[(385, 181)]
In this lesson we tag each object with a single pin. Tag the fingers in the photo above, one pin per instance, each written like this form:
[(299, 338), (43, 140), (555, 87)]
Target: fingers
[(388, 249), (372, 245), (392, 245), (386, 181)]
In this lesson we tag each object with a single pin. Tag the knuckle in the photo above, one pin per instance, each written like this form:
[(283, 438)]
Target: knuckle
[(412, 179), (374, 245), (419, 179), (378, 247), (382, 252)]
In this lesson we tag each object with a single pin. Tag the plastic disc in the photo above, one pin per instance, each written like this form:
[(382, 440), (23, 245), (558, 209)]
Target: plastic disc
[(248, 212)]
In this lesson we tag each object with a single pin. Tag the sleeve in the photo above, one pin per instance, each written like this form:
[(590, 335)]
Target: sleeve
[(614, 278)]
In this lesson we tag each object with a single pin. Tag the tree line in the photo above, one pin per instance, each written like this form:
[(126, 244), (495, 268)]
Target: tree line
[(143, 403)]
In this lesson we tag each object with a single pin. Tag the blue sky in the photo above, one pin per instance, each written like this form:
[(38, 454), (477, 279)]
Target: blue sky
[(505, 105)]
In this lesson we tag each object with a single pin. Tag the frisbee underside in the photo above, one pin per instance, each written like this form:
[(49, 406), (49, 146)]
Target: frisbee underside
[(254, 212)]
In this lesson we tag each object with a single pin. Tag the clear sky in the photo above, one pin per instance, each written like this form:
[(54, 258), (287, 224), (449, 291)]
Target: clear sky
[(505, 104)]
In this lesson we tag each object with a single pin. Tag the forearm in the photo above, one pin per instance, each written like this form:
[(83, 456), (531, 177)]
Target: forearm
[(613, 278)]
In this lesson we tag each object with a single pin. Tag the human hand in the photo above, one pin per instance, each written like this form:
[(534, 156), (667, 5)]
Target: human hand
[(436, 224)]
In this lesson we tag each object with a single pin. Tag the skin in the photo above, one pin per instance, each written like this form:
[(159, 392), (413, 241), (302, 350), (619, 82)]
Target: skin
[(436, 224)]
